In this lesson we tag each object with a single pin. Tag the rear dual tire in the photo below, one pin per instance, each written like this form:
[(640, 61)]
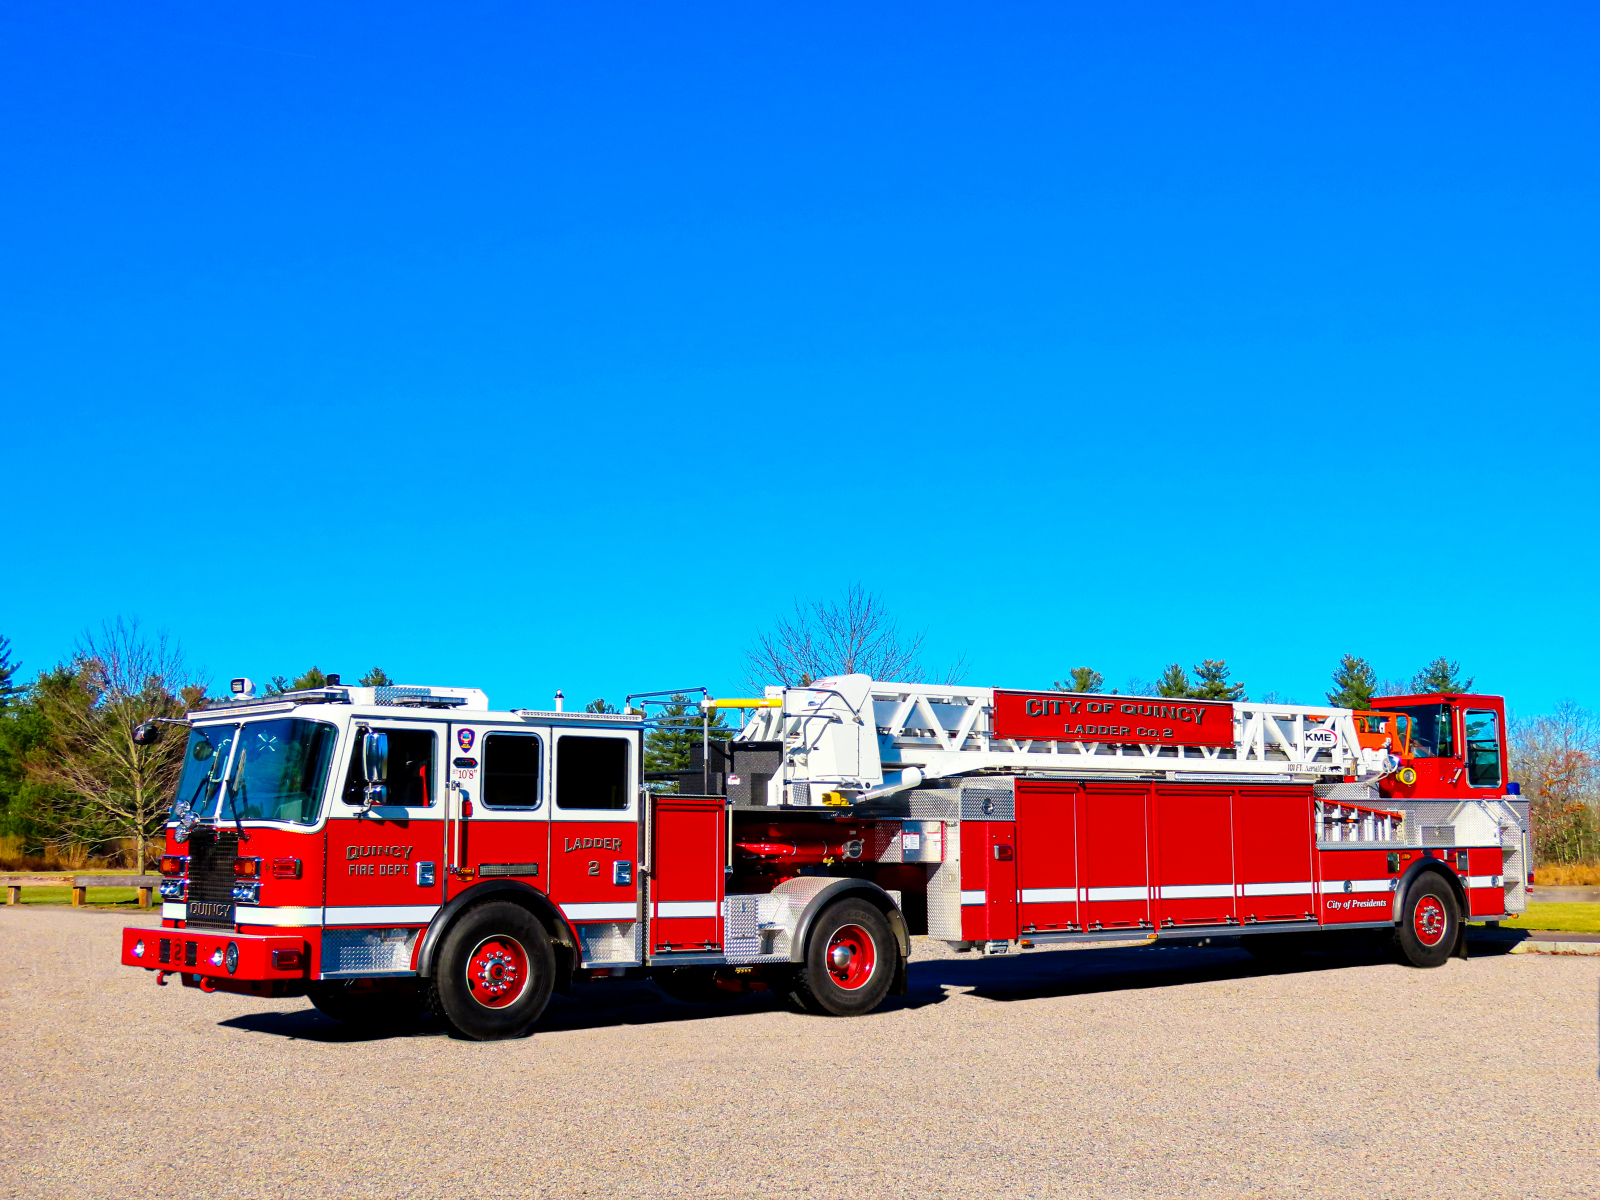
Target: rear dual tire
[(850, 963), (1430, 922)]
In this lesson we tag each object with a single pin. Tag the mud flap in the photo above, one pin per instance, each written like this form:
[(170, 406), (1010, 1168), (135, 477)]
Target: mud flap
[(899, 987), (1461, 941)]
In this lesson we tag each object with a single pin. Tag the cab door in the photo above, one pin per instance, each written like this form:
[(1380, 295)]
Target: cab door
[(385, 864), (499, 818), (594, 838)]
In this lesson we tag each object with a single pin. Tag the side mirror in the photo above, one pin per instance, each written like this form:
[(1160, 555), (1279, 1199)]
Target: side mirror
[(375, 766), (375, 757), (147, 734)]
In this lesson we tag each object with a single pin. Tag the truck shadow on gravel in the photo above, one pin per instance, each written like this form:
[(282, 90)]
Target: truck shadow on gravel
[(1037, 974)]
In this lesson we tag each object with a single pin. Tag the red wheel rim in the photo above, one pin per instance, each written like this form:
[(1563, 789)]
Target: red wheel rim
[(1429, 920), (851, 957), (497, 971)]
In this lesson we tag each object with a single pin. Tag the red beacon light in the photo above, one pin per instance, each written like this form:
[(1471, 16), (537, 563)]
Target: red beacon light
[(286, 868)]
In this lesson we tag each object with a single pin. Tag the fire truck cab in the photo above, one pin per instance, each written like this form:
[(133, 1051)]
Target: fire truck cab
[(394, 849)]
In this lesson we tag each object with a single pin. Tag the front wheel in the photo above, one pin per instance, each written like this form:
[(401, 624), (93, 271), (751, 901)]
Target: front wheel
[(1430, 922), (850, 961), (495, 972)]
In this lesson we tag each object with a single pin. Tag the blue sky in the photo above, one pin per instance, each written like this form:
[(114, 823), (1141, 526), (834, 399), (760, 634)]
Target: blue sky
[(526, 346)]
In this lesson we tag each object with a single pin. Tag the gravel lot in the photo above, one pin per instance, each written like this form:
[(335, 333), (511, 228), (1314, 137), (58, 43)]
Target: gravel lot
[(1104, 1073)]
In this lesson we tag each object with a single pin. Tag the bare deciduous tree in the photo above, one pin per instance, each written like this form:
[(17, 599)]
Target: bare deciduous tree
[(117, 680), (853, 635), (1556, 758)]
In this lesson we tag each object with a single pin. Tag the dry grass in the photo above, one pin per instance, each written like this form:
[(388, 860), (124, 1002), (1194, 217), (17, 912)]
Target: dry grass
[(1581, 875), (76, 858)]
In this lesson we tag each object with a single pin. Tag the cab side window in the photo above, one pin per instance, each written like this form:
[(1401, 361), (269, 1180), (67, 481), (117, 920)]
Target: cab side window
[(511, 764), (592, 773), (1483, 748), (411, 779)]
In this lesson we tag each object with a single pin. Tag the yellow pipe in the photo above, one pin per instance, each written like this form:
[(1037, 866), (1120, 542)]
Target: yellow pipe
[(763, 702)]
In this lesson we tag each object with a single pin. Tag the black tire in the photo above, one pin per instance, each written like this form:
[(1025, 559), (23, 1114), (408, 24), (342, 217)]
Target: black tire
[(373, 1006), (1430, 923), (1274, 947), (854, 983), (469, 995), (694, 985)]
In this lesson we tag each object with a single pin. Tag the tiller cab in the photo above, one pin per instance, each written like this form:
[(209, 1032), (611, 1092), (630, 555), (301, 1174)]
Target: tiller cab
[(394, 849)]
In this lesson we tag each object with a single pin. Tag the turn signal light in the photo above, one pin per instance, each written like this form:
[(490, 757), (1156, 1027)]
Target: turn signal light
[(247, 868), (1004, 853), (286, 868), (286, 960), (173, 864)]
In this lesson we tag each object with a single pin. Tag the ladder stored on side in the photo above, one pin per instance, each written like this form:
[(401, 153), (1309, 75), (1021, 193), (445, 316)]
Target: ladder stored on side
[(850, 738)]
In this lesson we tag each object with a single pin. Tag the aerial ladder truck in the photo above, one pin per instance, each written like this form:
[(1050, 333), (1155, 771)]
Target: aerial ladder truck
[(390, 850)]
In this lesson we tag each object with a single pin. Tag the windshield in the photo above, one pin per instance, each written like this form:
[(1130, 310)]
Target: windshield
[(279, 770), (204, 760), (1432, 735), (277, 774)]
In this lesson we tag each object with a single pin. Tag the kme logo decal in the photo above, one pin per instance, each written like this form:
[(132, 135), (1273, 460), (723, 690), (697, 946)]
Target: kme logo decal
[(464, 739)]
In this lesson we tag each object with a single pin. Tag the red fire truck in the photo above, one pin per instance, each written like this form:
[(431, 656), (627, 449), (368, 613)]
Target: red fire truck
[(391, 850)]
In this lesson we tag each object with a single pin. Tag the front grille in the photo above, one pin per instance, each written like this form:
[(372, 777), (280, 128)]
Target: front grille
[(211, 855)]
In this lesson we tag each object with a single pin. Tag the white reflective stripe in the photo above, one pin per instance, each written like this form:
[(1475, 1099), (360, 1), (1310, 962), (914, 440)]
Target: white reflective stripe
[(682, 908), (173, 912), (380, 914), (1120, 893), (1195, 891), (602, 912), (1363, 885), (1048, 895), (1299, 888), (278, 916), (972, 898), (1485, 881)]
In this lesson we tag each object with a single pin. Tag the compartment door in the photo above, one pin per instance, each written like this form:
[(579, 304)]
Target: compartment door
[(688, 852), (1273, 846), (1047, 855), (1194, 855), (1113, 824)]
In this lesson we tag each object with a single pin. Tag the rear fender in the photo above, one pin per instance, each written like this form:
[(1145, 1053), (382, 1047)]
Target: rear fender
[(807, 896)]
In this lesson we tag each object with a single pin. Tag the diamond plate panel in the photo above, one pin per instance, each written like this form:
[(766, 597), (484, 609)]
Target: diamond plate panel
[(613, 943), (367, 951)]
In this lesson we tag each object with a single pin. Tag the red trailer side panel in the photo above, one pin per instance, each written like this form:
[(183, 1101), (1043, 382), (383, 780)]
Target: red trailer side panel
[(1047, 854), (1114, 855), (1273, 847), (1194, 855)]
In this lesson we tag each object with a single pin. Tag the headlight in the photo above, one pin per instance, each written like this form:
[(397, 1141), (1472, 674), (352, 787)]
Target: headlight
[(216, 956), (231, 958), (138, 948), (171, 889), (246, 893)]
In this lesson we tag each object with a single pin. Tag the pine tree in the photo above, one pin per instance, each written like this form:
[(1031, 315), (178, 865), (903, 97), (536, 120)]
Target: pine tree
[(377, 677), (1441, 675), (313, 678), (1211, 682), (1173, 682), (1354, 683), (668, 746), (8, 670), (599, 706), (1084, 679)]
